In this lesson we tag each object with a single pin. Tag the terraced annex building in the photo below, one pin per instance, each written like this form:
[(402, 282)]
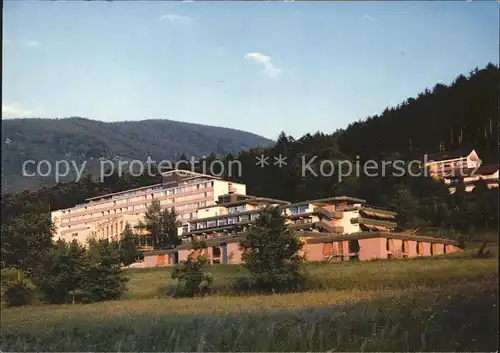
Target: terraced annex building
[(332, 229)]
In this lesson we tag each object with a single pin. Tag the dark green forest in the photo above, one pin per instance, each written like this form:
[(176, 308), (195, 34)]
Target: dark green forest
[(79, 139), (464, 114)]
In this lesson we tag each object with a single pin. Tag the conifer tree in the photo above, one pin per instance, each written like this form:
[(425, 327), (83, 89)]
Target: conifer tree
[(271, 252), (128, 246)]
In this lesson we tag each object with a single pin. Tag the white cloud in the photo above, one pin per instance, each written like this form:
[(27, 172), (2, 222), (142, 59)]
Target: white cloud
[(368, 17), (265, 61), (14, 111), (30, 43), (172, 17), (22, 43)]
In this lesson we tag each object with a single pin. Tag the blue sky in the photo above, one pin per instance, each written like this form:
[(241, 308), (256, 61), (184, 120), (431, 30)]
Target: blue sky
[(260, 67)]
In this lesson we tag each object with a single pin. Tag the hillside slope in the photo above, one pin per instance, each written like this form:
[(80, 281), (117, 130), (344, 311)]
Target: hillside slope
[(82, 139), (463, 114)]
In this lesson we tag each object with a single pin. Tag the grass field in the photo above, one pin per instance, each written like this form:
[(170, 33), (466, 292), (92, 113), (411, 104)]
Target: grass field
[(445, 303)]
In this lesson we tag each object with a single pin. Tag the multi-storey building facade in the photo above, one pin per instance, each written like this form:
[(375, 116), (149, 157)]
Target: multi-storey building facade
[(461, 166), (448, 163), (487, 173), (106, 216), (335, 228)]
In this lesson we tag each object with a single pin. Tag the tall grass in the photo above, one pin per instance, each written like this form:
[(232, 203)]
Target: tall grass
[(441, 304), (394, 274)]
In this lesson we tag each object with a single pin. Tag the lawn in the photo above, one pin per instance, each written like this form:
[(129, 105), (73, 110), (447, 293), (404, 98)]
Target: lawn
[(445, 303)]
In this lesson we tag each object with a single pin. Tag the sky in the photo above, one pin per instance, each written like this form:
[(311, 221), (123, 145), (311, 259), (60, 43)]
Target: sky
[(262, 67)]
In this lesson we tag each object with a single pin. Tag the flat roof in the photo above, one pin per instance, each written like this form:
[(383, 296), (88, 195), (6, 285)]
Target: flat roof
[(377, 210), (328, 200), (238, 195), (185, 173), (123, 192), (249, 200), (194, 175)]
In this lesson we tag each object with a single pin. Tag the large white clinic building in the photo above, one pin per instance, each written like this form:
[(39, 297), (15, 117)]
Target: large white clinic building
[(106, 216)]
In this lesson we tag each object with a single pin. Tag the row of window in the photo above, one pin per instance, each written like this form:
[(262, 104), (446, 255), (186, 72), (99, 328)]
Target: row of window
[(458, 164), (195, 196), (137, 207), (298, 209), (232, 232), (125, 198), (181, 216), (236, 209), (162, 202), (303, 221), (225, 221), (185, 207)]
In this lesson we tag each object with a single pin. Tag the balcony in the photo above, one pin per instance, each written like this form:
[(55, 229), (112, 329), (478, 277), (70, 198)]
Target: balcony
[(318, 225), (329, 228), (374, 223), (378, 213), (328, 214)]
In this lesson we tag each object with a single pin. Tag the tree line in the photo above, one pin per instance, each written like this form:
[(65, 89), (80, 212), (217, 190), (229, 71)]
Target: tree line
[(69, 272)]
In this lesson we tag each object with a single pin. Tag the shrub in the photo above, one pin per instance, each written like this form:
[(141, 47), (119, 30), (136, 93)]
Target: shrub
[(462, 242), (242, 284), (18, 293), (483, 251)]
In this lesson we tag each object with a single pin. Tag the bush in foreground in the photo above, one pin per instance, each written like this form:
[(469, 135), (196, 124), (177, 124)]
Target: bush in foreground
[(16, 290), (18, 293)]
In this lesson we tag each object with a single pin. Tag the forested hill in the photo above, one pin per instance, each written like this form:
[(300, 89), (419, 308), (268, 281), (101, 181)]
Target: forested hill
[(464, 114), (83, 139)]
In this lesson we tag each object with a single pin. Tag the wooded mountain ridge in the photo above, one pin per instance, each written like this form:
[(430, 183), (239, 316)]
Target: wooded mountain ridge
[(79, 139)]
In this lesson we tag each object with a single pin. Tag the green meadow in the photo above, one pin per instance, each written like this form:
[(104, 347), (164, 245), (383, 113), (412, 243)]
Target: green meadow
[(444, 303)]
